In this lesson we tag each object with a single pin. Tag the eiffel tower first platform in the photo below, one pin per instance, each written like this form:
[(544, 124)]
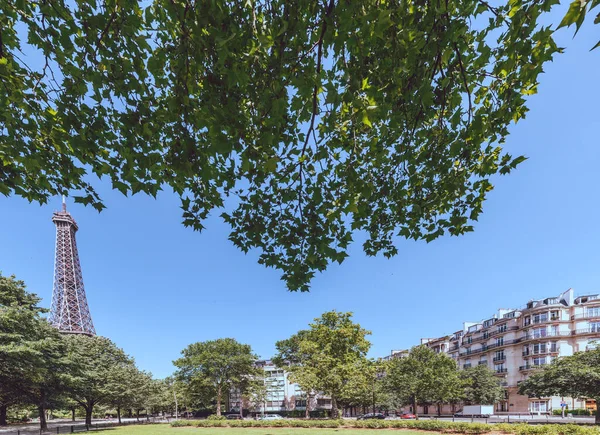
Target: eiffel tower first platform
[(69, 312)]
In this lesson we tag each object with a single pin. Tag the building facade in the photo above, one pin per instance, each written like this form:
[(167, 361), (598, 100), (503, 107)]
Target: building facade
[(516, 342), (282, 395)]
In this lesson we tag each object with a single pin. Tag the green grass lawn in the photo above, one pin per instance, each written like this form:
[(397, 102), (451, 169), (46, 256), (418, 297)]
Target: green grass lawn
[(164, 429)]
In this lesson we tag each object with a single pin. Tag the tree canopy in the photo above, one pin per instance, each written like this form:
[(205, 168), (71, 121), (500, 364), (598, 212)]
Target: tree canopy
[(570, 376), (482, 386), (100, 367), (302, 122), (34, 368), (424, 377), (326, 356), (213, 368)]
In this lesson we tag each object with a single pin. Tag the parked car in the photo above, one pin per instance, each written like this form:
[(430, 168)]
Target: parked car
[(408, 416), (233, 417), (269, 417), (371, 416)]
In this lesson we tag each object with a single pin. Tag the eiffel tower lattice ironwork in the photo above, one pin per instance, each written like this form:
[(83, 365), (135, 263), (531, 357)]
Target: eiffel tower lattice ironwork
[(69, 311)]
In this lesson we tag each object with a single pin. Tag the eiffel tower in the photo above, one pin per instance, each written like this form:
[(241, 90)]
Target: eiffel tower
[(69, 312)]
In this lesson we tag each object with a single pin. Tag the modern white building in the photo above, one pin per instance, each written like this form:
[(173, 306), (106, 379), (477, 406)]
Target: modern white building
[(282, 394)]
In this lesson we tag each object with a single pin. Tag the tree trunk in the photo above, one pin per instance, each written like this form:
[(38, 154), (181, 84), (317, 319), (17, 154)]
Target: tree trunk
[(219, 401), (3, 412), (73, 413), (335, 412), (414, 405), (307, 407), (137, 414), (119, 413), (88, 414), (42, 415), (597, 419), (439, 410)]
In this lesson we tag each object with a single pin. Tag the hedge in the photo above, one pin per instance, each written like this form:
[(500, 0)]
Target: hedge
[(426, 425)]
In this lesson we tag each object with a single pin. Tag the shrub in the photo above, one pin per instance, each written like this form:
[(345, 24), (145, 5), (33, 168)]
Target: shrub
[(182, 423), (216, 417), (439, 426)]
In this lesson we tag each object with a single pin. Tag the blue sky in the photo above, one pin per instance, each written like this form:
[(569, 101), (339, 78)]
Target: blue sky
[(154, 286)]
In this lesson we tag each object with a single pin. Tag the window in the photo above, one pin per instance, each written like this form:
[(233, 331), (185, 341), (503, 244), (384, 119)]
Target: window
[(555, 315), (469, 340), (553, 346), (540, 332), (500, 341), (593, 312), (592, 344), (500, 368), (499, 356), (502, 328), (594, 326), (527, 320), (323, 402), (539, 348), (538, 406), (540, 318), (300, 403), (539, 361)]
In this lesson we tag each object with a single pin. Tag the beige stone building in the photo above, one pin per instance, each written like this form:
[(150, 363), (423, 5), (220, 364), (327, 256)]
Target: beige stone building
[(516, 342)]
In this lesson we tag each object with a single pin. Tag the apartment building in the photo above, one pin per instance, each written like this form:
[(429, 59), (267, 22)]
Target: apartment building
[(516, 342), (282, 395)]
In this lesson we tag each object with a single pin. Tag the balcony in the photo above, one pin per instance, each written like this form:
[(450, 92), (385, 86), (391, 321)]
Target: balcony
[(541, 352), (530, 367), (546, 334), (481, 363), (593, 315), (501, 371), (473, 351), (499, 358), (503, 330), (593, 330), (466, 366)]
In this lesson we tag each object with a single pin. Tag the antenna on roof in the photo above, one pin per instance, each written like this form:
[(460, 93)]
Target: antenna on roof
[(64, 203)]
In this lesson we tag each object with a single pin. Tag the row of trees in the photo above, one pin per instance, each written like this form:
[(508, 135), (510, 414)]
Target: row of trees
[(42, 368), (330, 358), (576, 375)]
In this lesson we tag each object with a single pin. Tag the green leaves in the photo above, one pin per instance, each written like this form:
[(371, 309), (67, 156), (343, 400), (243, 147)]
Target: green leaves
[(482, 386), (569, 376), (315, 132), (576, 14), (209, 369), (330, 357), (424, 377)]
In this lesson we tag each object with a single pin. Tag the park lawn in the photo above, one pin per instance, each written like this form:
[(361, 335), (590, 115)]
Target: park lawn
[(164, 429)]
